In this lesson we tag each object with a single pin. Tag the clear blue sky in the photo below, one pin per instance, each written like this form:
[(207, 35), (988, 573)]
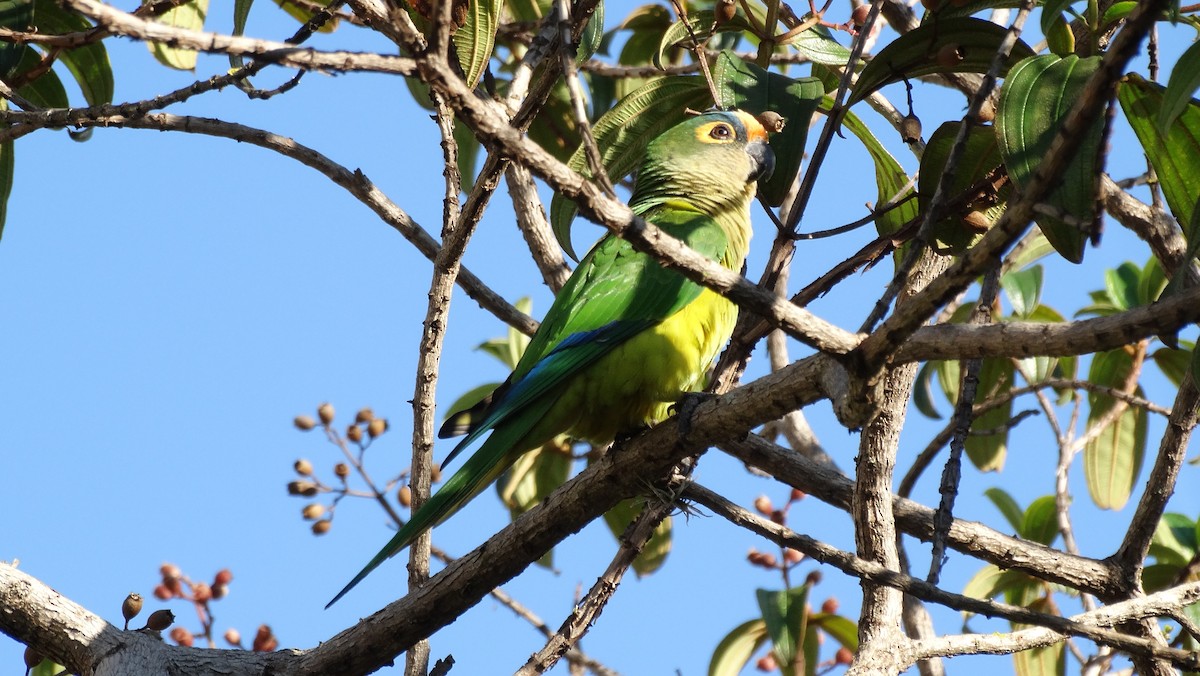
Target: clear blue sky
[(172, 301)]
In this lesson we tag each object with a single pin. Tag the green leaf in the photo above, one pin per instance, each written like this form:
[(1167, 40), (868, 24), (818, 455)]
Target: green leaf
[(1052, 11), (890, 177), (1045, 661), (7, 166), (1121, 284), (747, 87), (190, 16), (47, 667), (1117, 12), (654, 554), (990, 582), (1175, 153), (88, 64), (1159, 576), (17, 15), (735, 650), (958, 231), (966, 45), (1023, 289), (1113, 460), (623, 133), (530, 479), (1034, 101), (784, 613), (1008, 507), (702, 23), (1040, 522), (988, 451), (1059, 37), (593, 35), (923, 391), (241, 12), (842, 629), (1173, 362), (818, 45), (509, 348), (45, 90), (468, 153), (1184, 80), (303, 14), (476, 39), (1174, 540)]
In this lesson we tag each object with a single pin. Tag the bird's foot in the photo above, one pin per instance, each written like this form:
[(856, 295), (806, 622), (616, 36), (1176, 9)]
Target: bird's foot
[(686, 407)]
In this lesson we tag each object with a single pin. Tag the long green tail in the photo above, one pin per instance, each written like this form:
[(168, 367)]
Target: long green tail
[(493, 457)]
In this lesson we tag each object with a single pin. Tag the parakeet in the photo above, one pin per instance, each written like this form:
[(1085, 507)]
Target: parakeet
[(626, 337)]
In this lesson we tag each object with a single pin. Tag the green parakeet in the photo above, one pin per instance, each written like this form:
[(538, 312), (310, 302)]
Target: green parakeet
[(626, 337)]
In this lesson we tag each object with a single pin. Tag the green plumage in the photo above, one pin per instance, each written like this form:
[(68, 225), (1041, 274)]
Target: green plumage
[(626, 337)]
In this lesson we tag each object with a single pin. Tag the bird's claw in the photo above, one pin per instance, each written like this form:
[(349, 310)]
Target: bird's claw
[(686, 407)]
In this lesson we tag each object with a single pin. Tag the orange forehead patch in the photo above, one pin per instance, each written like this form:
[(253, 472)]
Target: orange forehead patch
[(754, 129)]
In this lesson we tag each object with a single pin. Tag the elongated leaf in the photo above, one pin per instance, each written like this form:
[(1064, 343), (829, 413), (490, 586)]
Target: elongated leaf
[(45, 90), (477, 38), (1174, 541), (1045, 661), (842, 629), (1008, 507), (736, 649), (988, 451), (88, 64), (593, 35), (990, 582), (623, 133), (654, 554), (818, 45), (241, 12), (890, 178), (1023, 289), (1034, 101), (944, 45), (1040, 522), (923, 391), (1174, 362), (702, 24), (784, 613), (468, 153), (303, 13), (1113, 460), (745, 86), (17, 15), (1184, 80), (958, 231), (1174, 154), (7, 166), (530, 479), (190, 15)]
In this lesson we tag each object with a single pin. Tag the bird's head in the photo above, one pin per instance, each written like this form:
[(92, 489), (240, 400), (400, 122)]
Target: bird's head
[(711, 160)]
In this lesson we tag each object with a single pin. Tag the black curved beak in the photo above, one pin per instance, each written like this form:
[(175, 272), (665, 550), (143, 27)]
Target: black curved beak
[(762, 160)]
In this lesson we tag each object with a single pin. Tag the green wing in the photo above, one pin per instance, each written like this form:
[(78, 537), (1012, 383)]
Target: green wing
[(615, 294)]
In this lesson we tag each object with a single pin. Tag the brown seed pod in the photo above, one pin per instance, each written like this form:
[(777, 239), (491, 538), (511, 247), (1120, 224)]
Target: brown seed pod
[(763, 504), (364, 415), (377, 427), (772, 121), (159, 620), (303, 467), (130, 607), (813, 578), (910, 129), (354, 433), (304, 423), (322, 527), (305, 488), (724, 11), (201, 592), (843, 656), (859, 16), (162, 593), (264, 640), (313, 511), (223, 577), (325, 413), (796, 495), (404, 496), (830, 606), (435, 474), (950, 55), (342, 470), (233, 637), (792, 556), (183, 637), (32, 657), (170, 571), (220, 591), (767, 663)]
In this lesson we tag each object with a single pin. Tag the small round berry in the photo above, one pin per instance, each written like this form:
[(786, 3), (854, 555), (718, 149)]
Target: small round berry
[(354, 433), (322, 527), (404, 496), (233, 637), (325, 413), (377, 427), (304, 423), (183, 637), (303, 467), (313, 512), (763, 504), (830, 606), (364, 415), (843, 656), (160, 619)]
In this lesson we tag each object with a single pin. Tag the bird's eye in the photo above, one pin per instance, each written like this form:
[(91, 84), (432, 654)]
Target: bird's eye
[(721, 132)]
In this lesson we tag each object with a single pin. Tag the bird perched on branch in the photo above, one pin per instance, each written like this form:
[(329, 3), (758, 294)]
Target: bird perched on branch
[(626, 337)]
